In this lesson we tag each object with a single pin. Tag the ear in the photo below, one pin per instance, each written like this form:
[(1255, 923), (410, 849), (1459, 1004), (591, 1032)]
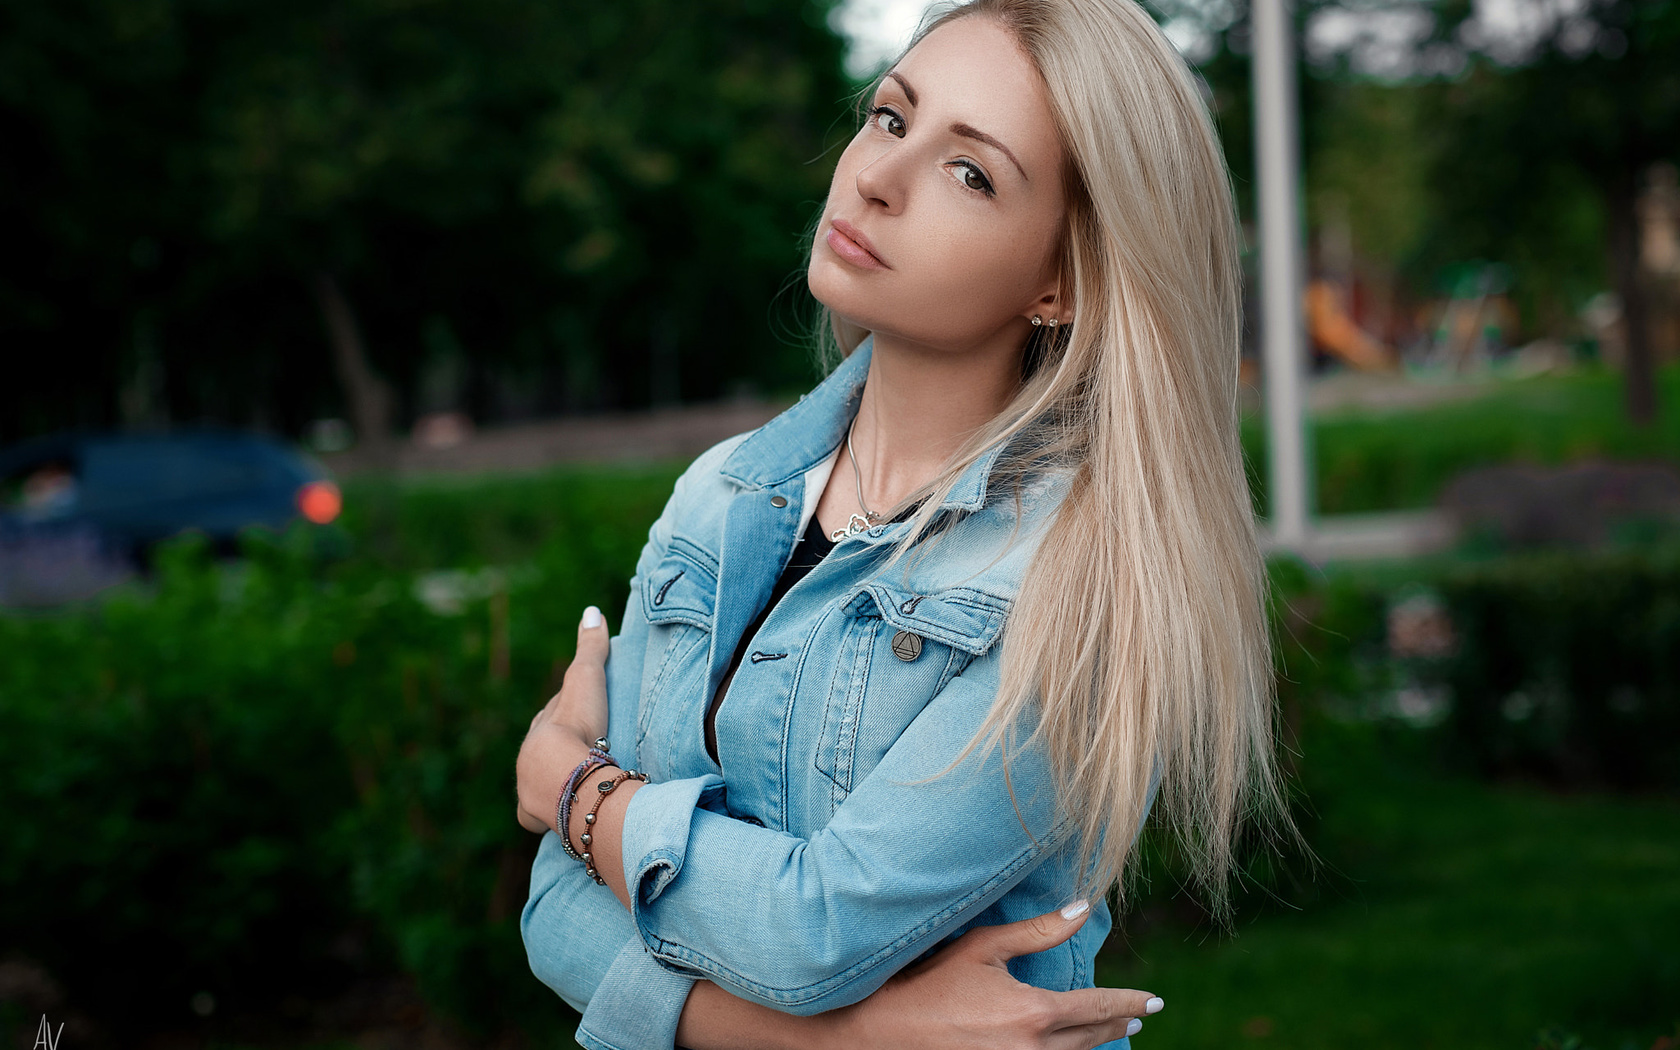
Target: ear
[(1053, 307)]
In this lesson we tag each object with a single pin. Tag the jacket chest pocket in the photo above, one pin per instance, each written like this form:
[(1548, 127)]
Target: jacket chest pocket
[(679, 599), (900, 649)]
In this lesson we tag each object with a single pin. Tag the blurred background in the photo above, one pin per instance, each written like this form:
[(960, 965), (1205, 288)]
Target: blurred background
[(351, 346)]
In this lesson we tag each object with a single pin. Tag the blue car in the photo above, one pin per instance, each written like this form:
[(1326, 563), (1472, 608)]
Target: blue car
[(113, 496)]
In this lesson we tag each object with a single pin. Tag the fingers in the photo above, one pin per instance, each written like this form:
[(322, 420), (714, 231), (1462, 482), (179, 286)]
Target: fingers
[(1088, 1037), (1041, 932), (593, 636), (1099, 1015), (588, 667), (1095, 1006)]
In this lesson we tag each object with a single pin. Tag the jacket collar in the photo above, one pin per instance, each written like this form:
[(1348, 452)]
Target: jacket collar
[(810, 431)]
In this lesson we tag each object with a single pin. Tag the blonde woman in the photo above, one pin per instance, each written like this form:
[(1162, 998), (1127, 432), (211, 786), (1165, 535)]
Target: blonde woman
[(905, 668)]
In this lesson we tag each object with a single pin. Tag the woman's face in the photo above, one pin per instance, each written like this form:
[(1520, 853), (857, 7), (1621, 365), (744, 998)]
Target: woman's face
[(943, 217)]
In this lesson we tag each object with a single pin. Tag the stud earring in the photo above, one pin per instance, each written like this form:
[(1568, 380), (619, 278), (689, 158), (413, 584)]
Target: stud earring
[(1052, 322), (1037, 320)]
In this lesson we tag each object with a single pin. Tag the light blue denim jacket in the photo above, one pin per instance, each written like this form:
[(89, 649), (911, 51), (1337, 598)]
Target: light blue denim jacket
[(828, 851)]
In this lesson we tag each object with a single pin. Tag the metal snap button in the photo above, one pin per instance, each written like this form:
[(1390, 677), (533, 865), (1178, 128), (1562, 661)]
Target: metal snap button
[(906, 646), (778, 502)]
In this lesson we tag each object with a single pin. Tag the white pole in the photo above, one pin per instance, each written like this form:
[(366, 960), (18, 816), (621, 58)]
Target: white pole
[(1277, 151)]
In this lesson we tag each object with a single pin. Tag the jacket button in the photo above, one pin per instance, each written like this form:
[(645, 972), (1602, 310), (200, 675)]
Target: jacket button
[(778, 502), (906, 646)]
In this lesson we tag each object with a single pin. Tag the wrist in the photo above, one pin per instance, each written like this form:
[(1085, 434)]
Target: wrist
[(544, 765), (588, 791)]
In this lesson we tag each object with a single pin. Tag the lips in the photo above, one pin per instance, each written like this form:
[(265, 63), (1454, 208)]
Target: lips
[(848, 242)]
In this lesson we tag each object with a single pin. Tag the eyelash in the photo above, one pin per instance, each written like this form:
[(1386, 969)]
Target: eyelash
[(988, 190)]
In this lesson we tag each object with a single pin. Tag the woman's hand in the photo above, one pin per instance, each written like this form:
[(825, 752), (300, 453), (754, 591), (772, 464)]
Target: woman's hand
[(561, 733), (965, 997), (962, 998)]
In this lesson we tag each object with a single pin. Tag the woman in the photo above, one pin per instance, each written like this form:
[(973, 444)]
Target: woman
[(913, 658)]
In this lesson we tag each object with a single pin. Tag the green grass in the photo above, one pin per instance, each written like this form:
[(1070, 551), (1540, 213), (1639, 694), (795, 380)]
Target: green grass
[(1447, 914), (1373, 460)]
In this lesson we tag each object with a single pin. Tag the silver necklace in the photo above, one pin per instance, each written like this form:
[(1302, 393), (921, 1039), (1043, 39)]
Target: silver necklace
[(858, 522)]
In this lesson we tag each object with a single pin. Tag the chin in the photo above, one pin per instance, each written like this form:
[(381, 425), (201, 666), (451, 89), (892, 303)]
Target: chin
[(826, 282), (834, 285)]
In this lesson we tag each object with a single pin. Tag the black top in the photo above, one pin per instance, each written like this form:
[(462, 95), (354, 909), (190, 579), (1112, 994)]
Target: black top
[(812, 548)]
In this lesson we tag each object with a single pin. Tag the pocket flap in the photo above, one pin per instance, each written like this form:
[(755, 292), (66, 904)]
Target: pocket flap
[(960, 617), (682, 588)]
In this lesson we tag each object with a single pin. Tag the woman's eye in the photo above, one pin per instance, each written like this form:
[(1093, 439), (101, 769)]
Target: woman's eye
[(973, 178), (888, 121)]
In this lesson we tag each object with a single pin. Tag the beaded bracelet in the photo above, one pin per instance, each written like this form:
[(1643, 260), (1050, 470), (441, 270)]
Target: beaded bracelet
[(598, 756), (606, 788)]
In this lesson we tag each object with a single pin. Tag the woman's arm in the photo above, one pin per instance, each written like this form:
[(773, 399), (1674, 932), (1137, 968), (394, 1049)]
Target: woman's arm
[(916, 848), (574, 931), (962, 997), (580, 940)]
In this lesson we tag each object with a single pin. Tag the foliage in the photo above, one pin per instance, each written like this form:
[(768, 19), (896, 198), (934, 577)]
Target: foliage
[(264, 779), (1444, 913), (1555, 666), (503, 520), (1374, 460), (537, 198), (1568, 668), (282, 774)]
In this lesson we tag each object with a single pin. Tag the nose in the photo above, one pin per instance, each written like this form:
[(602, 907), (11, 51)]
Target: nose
[(881, 181)]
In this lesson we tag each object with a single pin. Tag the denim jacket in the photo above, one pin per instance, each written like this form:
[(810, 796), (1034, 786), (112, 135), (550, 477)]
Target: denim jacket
[(837, 843)]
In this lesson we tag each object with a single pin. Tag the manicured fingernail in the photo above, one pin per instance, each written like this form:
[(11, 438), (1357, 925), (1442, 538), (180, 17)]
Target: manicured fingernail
[(1133, 1027), (592, 617), (1075, 910), (1153, 1006)]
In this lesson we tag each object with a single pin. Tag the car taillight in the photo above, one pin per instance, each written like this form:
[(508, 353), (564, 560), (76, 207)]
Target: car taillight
[(319, 501)]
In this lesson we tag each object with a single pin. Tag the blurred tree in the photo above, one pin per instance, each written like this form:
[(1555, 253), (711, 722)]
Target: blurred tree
[(1452, 131), (203, 199), (1563, 121)]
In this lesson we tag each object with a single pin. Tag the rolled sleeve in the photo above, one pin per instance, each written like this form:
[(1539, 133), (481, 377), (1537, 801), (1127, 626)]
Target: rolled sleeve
[(638, 1004), (657, 827), (573, 929)]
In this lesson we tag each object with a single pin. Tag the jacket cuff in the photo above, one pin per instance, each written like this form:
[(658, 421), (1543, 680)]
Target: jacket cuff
[(563, 903), (655, 835), (637, 1004)]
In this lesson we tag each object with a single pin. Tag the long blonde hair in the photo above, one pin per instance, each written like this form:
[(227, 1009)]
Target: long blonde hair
[(1138, 642)]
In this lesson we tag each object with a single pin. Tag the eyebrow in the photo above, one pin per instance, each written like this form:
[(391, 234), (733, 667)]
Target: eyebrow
[(909, 92), (968, 131)]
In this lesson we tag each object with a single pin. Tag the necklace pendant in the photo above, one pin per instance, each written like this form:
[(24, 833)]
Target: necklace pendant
[(857, 524)]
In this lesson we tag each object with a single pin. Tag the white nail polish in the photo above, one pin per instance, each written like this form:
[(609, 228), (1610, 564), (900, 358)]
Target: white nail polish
[(592, 617), (1133, 1027), (1075, 910), (1153, 1006)]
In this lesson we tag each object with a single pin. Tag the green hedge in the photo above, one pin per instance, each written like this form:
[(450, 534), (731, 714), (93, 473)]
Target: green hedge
[(1555, 666), (266, 778)]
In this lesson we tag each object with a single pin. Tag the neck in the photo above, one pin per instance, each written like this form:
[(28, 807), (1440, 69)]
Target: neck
[(920, 404)]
